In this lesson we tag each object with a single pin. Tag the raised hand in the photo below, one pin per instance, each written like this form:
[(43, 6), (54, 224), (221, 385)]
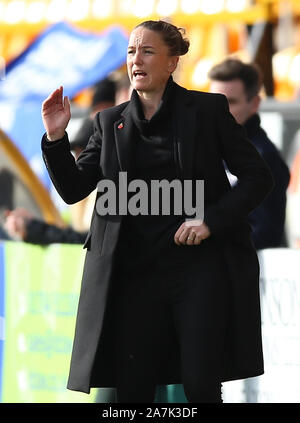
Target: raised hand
[(56, 114)]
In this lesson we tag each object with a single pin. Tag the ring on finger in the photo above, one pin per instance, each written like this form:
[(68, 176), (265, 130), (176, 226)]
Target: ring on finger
[(198, 238)]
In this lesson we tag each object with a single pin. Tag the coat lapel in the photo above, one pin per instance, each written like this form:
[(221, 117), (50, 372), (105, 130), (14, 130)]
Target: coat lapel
[(185, 131), (124, 138)]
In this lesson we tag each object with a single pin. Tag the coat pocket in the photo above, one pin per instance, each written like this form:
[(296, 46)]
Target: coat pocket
[(95, 237), (87, 242)]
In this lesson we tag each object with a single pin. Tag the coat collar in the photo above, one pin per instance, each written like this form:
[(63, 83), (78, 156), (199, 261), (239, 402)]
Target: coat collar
[(185, 133)]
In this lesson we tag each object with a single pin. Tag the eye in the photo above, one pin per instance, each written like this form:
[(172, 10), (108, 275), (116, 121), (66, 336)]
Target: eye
[(148, 52), (130, 52)]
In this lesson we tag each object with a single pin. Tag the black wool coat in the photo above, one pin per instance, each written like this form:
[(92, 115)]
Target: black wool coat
[(205, 135)]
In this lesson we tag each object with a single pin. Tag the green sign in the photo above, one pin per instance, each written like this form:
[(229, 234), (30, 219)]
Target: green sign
[(41, 295)]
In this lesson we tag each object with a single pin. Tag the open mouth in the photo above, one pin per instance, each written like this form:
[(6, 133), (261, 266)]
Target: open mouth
[(139, 74)]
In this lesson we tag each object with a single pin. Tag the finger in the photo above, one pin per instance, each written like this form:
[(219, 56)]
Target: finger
[(180, 229), (179, 238), (178, 233), (67, 105), (176, 240), (183, 236), (52, 100), (60, 95), (191, 238), (198, 239), (54, 95)]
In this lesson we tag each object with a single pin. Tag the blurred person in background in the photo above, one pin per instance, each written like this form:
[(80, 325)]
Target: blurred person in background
[(241, 84), (161, 299), (20, 224)]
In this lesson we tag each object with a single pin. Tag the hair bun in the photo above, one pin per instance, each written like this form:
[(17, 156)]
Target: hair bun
[(184, 42)]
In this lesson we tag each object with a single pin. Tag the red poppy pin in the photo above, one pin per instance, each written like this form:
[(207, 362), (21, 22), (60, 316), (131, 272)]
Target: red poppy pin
[(120, 126)]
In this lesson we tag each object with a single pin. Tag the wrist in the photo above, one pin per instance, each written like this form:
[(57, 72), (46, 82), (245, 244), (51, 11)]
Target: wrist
[(55, 137)]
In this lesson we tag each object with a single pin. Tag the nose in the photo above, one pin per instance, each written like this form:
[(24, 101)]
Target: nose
[(137, 57)]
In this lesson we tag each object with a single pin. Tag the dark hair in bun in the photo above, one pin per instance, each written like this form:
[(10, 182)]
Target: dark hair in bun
[(172, 36)]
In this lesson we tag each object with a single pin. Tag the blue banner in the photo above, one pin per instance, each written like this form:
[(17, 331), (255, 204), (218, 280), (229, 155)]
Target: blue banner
[(61, 55)]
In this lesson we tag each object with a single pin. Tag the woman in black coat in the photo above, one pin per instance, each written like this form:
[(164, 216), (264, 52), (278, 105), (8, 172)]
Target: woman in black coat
[(164, 299)]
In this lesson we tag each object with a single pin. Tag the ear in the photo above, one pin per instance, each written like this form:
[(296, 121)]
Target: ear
[(173, 63), (256, 100)]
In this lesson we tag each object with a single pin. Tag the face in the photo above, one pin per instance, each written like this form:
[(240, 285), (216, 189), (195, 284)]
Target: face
[(240, 107), (149, 64)]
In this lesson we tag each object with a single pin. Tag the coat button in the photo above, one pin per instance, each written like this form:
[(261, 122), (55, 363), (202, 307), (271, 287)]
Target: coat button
[(131, 356)]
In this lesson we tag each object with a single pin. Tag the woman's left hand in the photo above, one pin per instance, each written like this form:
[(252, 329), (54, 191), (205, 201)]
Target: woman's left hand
[(191, 232)]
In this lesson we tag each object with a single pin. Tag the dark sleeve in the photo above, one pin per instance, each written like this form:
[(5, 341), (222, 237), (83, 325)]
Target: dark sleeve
[(74, 180), (243, 160), (39, 232), (268, 219)]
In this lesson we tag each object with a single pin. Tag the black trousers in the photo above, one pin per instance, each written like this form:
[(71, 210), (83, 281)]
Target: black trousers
[(188, 300)]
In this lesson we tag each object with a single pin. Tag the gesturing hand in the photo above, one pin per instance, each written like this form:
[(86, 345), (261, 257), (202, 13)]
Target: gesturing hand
[(56, 114), (191, 232)]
